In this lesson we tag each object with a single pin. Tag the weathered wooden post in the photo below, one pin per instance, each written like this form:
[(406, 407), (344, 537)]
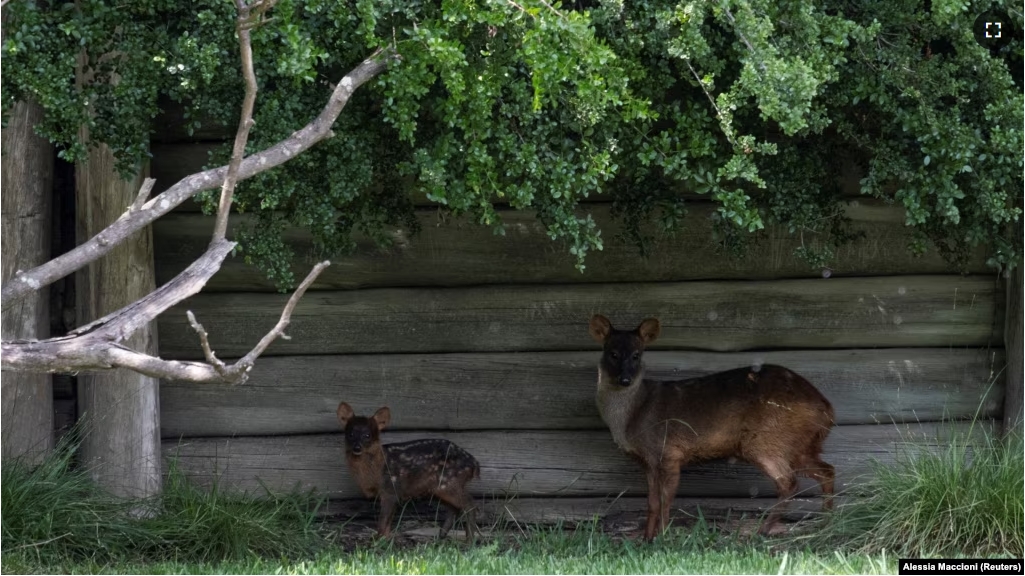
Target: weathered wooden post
[(27, 193), (121, 446)]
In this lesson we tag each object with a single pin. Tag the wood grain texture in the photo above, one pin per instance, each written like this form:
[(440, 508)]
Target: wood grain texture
[(27, 166), (895, 311), (459, 252), (535, 463), (555, 390), (121, 408)]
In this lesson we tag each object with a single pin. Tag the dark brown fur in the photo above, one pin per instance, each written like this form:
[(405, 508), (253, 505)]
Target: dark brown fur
[(769, 416), (405, 470)]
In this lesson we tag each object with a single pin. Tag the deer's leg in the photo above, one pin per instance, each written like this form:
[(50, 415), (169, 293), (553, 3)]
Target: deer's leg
[(823, 473), (654, 502), (786, 483), (388, 504), (460, 501), (450, 519), (669, 482)]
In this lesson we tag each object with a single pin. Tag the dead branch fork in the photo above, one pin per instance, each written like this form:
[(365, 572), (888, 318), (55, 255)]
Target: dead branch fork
[(97, 345)]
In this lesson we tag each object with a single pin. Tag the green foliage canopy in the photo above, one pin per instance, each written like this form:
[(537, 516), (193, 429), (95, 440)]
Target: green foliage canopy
[(753, 103)]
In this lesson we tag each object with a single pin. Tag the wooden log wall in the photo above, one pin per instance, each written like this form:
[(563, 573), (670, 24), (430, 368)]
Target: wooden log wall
[(483, 339)]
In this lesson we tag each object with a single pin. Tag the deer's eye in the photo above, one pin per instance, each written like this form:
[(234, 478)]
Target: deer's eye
[(615, 355), (635, 355)]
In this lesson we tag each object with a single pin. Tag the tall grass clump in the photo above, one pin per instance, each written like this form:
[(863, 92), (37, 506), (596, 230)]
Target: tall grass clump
[(54, 514), (964, 498), (207, 524), (53, 510)]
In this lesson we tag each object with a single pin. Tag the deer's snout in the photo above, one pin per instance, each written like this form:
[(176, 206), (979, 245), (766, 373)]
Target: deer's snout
[(356, 449)]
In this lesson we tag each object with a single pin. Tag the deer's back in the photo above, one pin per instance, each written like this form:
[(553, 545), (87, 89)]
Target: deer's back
[(420, 467), (727, 413)]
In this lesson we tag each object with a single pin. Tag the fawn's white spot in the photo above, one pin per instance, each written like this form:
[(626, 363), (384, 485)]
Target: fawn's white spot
[(911, 367)]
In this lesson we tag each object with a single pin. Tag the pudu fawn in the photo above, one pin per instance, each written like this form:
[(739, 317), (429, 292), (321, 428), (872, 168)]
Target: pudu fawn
[(768, 416), (405, 470)]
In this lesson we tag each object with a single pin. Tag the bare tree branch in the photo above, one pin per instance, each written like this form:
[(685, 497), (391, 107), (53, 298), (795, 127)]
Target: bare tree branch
[(286, 315), (73, 352), (144, 190), (100, 349), (97, 345), (246, 122), (204, 342), (122, 323), (133, 221)]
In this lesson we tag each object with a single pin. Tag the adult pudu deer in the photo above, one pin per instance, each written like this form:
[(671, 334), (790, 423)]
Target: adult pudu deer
[(405, 470), (768, 416)]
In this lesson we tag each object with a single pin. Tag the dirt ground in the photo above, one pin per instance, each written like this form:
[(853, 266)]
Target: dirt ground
[(359, 531)]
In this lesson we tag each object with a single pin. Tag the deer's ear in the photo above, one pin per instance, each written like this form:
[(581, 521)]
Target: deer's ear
[(345, 413), (649, 330), (382, 417), (599, 328)]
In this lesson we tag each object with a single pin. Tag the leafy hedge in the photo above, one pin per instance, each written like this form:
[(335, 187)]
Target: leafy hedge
[(755, 103)]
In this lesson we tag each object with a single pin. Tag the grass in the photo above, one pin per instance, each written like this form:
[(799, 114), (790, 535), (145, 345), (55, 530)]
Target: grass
[(963, 500), (540, 551), (54, 514), (55, 511)]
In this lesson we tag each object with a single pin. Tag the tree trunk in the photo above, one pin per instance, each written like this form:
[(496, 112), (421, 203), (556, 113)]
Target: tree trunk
[(27, 399), (121, 445)]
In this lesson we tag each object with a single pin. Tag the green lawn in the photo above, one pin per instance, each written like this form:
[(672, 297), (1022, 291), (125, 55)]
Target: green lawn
[(549, 551)]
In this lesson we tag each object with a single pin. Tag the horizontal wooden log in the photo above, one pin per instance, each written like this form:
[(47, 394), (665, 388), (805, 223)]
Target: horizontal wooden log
[(555, 390), (536, 463), (890, 312), (459, 252)]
